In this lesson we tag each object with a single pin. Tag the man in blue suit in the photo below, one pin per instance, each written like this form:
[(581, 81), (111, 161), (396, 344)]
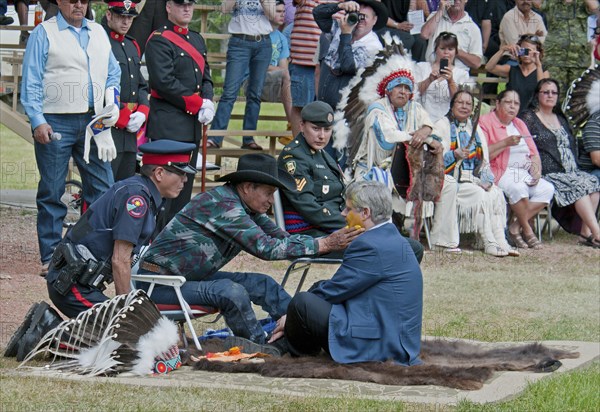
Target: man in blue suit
[(371, 309)]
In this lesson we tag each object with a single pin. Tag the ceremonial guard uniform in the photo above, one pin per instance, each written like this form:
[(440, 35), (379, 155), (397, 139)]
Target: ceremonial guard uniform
[(315, 207), (81, 264), (134, 93), (180, 82)]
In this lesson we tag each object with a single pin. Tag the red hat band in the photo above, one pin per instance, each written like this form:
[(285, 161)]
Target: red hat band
[(165, 159)]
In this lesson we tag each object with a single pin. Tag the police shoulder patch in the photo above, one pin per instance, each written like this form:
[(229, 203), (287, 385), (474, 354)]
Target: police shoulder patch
[(290, 166), (136, 206)]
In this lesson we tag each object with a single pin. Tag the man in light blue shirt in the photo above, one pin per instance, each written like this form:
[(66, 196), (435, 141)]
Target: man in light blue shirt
[(69, 74)]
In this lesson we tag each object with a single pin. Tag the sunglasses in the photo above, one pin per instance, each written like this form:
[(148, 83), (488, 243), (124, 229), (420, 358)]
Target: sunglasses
[(79, 1), (530, 37), (447, 34), (549, 92)]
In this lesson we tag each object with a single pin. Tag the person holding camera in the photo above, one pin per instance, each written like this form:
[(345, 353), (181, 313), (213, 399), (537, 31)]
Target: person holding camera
[(438, 81), (523, 78), (353, 45)]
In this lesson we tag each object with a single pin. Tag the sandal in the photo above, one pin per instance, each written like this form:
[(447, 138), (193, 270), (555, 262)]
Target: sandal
[(589, 241), (532, 242), (518, 240)]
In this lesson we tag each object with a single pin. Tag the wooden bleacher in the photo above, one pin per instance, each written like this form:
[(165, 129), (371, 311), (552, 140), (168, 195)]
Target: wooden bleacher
[(12, 55)]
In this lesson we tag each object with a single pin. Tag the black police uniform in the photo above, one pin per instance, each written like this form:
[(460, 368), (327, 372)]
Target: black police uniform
[(178, 86), (127, 211), (314, 208), (134, 97)]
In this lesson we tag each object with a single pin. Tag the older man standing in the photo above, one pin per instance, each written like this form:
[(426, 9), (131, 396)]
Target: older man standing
[(521, 20), (69, 74), (452, 17), (214, 228), (181, 88)]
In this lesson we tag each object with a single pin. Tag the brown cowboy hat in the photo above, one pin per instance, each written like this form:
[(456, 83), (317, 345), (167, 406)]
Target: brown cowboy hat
[(260, 168)]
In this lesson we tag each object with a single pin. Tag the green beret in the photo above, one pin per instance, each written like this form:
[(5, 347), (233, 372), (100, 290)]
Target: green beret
[(319, 113)]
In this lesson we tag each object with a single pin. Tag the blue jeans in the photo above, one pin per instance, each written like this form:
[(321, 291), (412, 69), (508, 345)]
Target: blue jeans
[(232, 293), (3, 7), (53, 164), (241, 55)]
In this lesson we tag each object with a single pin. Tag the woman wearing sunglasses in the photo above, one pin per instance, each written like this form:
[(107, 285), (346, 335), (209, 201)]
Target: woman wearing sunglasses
[(439, 80), (523, 78), (557, 149)]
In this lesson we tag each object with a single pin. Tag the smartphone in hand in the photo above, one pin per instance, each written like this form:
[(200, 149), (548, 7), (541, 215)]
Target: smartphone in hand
[(443, 64)]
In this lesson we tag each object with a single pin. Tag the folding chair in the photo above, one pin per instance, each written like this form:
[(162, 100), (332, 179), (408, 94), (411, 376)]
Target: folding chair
[(181, 313), (304, 264)]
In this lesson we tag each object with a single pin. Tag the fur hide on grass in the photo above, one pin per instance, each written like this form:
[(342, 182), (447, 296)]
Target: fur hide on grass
[(458, 365)]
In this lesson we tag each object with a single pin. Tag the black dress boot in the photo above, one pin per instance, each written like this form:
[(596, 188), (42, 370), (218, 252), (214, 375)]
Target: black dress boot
[(44, 320)]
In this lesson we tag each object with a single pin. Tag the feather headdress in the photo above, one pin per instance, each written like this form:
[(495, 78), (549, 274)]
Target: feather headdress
[(363, 90), (124, 334), (583, 98)]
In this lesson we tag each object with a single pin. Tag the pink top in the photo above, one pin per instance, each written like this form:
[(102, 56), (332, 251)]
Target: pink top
[(496, 131)]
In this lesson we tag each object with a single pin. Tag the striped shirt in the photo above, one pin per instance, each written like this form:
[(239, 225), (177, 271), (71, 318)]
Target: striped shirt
[(591, 142), (305, 34)]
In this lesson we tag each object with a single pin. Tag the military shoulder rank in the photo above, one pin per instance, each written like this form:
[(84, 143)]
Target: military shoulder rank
[(300, 183)]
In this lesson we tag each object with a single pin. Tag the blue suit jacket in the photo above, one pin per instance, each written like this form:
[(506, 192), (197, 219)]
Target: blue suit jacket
[(377, 298)]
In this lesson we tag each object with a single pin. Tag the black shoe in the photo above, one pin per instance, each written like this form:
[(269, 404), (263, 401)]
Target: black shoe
[(281, 345), (247, 346), (13, 343), (6, 20), (44, 320)]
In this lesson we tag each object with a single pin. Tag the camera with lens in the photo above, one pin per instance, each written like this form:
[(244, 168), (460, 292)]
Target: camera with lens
[(354, 17), (523, 52)]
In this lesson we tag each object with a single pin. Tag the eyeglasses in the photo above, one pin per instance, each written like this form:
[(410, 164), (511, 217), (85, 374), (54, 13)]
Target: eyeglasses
[(530, 37), (549, 92)]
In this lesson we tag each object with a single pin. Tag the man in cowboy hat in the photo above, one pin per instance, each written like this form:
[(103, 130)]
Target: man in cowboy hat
[(99, 248), (214, 228), (134, 89), (353, 45)]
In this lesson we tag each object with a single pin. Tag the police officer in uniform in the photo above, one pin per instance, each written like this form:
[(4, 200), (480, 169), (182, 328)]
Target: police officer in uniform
[(314, 207), (134, 89), (99, 248), (181, 88)]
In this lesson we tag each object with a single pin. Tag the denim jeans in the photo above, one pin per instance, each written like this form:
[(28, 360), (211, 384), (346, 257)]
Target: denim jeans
[(241, 55), (53, 164), (232, 293)]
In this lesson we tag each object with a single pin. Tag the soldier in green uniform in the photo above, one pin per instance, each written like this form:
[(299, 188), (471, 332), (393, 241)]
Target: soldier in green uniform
[(567, 51), (313, 207)]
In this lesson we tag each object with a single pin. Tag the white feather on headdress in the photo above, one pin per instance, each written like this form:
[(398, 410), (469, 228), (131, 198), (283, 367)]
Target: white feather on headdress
[(592, 100), (583, 98), (125, 333)]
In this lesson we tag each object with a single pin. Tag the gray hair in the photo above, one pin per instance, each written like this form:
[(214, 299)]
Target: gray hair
[(375, 196)]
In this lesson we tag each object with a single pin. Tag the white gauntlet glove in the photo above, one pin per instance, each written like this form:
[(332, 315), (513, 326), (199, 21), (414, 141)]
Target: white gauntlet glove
[(104, 141), (111, 99), (136, 120), (206, 112)]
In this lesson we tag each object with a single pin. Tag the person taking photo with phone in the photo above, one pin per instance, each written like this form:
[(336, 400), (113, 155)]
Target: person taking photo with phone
[(523, 78), (438, 81)]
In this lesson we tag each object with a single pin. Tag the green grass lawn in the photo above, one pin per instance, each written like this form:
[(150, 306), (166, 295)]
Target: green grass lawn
[(17, 162)]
